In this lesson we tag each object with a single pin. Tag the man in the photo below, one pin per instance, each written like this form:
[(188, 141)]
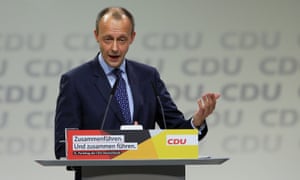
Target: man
[(85, 90)]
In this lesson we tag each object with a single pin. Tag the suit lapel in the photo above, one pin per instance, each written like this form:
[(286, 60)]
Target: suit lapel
[(102, 84), (135, 89)]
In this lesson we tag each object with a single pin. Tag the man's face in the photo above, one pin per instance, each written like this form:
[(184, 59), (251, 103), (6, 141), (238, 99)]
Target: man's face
[(114, 38)]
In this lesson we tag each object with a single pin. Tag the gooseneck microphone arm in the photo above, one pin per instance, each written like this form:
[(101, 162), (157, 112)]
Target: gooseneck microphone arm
[(112, 93), (160, 105)]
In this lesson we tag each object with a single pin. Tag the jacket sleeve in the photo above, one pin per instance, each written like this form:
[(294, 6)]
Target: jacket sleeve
[(67, 113), (173, 116)]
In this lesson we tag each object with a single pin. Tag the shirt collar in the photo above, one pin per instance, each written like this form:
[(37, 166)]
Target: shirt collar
[(108, 69)]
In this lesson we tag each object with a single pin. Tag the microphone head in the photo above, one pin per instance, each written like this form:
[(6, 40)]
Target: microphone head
[(114, 88)]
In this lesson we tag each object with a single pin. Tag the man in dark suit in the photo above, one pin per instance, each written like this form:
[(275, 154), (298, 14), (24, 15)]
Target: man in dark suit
[(85, 90)]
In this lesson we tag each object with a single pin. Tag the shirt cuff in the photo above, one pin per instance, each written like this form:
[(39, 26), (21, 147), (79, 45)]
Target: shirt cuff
[(199, 128)]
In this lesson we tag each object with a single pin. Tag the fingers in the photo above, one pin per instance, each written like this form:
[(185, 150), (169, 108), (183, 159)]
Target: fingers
[(207, 103), (201, 109), (217, 95)]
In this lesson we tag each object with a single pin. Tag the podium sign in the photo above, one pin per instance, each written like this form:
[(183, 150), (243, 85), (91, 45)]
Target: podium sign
[(131, 144)]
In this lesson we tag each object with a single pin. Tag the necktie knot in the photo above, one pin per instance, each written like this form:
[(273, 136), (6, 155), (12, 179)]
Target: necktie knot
[(117, 72)]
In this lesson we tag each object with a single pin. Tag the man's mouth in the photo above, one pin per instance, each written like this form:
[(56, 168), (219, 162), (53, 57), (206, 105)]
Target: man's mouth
[(114, 56)]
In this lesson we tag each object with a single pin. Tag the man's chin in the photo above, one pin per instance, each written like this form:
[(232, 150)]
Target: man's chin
[(114, 64)]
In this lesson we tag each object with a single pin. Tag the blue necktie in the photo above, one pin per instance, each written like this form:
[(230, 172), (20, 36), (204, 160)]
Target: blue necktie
[(122, 97)]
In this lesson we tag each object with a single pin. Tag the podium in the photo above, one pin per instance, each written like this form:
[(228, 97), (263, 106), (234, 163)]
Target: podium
[(132, 154), (162, 169)]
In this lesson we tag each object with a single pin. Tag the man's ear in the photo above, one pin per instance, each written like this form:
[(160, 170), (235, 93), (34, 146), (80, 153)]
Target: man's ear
[(96, 35), (132, 36)]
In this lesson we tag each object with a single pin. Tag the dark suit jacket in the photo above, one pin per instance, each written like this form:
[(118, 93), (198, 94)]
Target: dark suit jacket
[(84, 93)]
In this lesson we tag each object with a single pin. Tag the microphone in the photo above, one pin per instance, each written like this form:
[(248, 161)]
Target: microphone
[(160, 104), (112, 93)]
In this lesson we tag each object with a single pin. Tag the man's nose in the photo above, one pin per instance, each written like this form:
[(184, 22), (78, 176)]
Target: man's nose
[(115, 46)]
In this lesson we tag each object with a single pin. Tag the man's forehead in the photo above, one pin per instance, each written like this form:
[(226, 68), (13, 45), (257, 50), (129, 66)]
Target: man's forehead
[(113, 15)]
